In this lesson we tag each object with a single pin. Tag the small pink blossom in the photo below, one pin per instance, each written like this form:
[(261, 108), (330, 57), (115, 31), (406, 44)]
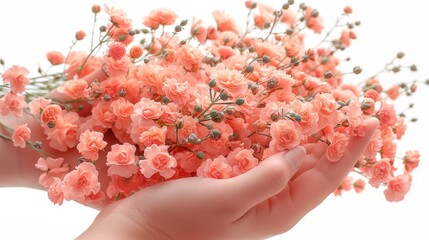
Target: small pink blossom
[(90, 143), (217, 168), (339, 142), (381, 172), (55, 191), (231, 81), (52, 168), (81, 182), (158, 160), (160, 16), (55, 57), (76, 88), (397, 188), (122, 160), (16, 77), (12, 103), (242, 160), (411, 160), (37, 105), (21, 135), (286, 134)]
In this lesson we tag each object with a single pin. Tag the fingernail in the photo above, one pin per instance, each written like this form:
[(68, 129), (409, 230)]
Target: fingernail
[(295, 157)]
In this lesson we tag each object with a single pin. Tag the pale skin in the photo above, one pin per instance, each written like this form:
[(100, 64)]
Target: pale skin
[(266, 201)]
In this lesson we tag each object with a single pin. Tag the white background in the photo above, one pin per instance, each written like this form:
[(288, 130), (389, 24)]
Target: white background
[(31, 28)]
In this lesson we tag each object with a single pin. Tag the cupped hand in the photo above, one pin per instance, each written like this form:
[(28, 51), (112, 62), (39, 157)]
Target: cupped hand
[(268, 200)]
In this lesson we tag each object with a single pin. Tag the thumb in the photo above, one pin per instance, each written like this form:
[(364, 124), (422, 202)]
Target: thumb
[(267, 179)]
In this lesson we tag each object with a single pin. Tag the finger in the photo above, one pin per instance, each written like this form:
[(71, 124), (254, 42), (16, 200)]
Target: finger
[(314, 152), (312, 187), (266, 180)]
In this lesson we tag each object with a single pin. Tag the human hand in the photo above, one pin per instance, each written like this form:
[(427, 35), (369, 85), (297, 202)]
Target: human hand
[(268, 200)]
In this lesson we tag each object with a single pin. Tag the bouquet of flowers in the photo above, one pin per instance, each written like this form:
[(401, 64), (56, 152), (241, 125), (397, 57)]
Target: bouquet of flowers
[(176, 98)]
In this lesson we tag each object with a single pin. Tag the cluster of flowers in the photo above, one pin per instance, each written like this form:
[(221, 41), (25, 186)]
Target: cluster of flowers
[(203, 100)]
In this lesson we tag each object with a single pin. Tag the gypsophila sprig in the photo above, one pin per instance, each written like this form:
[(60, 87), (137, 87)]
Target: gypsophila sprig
[(183, 98)]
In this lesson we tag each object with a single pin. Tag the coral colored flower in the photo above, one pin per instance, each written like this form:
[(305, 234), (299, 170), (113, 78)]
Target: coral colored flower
[(157, 160), (103, 114), (242, 160), (339, 142), (37, 105), (190, 57), (359, 185), (81, 182), (224, 22), (118, 18), (198, 30), (400, 127), (178, 92), (55, 57), (411, 160), (117, 50), (146, 109), (393, 92), (188, 161), (21, 135), (52, 168), (217, 168), (314, 23), (122, 160), (117, 67), (136, 51), (231, 81), (160, 16), (154, 135), (397, 188), (90, 143), (76, 88), (55, 191), (381, 172), (12, 103), (371, 93), (15, 75), (75, 64), (80, 35), (387, 114), (325, 104), (50, 113), (64, 134), (285, 134), (122, 109)]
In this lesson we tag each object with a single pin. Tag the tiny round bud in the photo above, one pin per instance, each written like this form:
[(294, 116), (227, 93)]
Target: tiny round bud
[(251, 49), (267, 25), (348, 10), (357, 23), (198, 108), (145, 31), (229, 110), (95, 8), (224, 96), (209, 126), (328, 74), (396, 69), (289, 31), (285, 6), (239, 101), (122, 92), (315, 13), (357, 70), (179, 125), (165, 100), (249, 69), (79, 108), (146, 60), (102, 28), (297, 117), (136, 51), (80, 35), (400, 55), (193, 138), (37, 144), (50, 124), (413, 88), (218, 118), (215, 134), (303, 6), (274, 116), (266, 59), (200, 155), (214, 113), (183, 22), (212, 83), (233, 137), (107, 97), (413, 68), (178, 28), (271, 83), (291, 2), (413, 119)]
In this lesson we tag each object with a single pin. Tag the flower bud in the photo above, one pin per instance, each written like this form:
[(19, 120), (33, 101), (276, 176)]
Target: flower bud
[(357, 70), (215, 134), (239, 101), (200, 155), (95, 8), (212, 83)]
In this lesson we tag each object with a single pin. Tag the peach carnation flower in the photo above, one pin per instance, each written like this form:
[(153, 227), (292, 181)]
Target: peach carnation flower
[(81, 182), (12, 103), (381, 172), (232, 81), (37, 105), (16, 77), (397, 188), (55, 57), (411, 160), (55, 191), (335, 150), (76, 88), (242, 160), (122, 160), (63, 135), (286, 134), (217, 168), (190, 57), (21, 135), (160, 16), (158, 160), (52, 168), (90, 142)]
